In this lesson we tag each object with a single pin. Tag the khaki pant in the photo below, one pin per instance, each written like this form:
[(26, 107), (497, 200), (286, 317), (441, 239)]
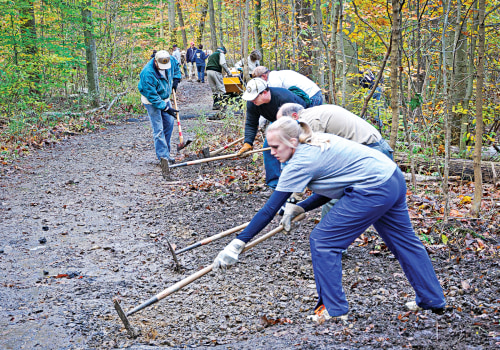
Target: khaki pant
[(192, 70), (216, 82)]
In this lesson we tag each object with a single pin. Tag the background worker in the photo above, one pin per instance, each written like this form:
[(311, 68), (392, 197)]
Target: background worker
[(293, 81), (190, 59), (332, 119), (371, 190), (200, 57), (155, 86), (264, 101), (215, 64), (253, 61), (176, 53)]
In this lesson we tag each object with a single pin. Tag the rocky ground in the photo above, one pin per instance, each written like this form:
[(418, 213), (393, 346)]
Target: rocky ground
[(87, 221)]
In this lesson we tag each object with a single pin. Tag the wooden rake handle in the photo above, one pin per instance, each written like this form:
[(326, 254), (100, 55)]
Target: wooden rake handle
[(227, 156)]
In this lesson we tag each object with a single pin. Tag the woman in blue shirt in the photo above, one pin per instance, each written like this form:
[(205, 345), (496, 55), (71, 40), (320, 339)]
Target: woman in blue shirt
[(371, 190)]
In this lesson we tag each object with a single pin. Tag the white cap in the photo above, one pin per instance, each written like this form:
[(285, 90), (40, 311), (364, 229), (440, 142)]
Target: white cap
[(254, 88), (163, 59)]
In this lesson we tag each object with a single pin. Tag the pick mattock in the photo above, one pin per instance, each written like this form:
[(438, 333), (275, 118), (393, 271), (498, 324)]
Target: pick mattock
[(179, 285), (166, 167), (181, 144), (202, 242), (206, 152)]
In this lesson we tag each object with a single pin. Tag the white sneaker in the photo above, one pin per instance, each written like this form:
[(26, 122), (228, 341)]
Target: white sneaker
[(412, 306), (321, 315)]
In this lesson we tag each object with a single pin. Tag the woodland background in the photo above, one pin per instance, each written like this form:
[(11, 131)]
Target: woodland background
[(71, 66)]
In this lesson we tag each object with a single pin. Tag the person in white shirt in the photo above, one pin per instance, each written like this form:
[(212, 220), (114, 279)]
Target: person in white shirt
[(176, 52), (253, 61), (297, 83)]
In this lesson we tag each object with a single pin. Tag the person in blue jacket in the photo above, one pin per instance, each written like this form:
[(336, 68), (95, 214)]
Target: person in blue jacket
[(371, 190), (200, 58), (155, 85)]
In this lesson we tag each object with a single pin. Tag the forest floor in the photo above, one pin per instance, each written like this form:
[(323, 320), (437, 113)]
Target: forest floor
[(86, 220)]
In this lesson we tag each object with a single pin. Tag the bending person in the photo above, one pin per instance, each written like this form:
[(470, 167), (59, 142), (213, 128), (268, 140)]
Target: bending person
[(371, 190), (297, 83), (264, 101)]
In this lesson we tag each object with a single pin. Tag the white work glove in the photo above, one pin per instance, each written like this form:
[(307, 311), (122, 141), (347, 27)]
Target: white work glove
[(291, 211), (229, 256)]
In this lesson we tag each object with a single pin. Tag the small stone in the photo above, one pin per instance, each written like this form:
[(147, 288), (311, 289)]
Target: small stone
[(45, 228), (45, 272), (42, 240)]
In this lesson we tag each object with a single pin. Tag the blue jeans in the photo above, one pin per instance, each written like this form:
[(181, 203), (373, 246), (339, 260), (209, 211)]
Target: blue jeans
[(383, 147), (162, 124), (316, 99), (272, 166), (385, 207), (201, 72)]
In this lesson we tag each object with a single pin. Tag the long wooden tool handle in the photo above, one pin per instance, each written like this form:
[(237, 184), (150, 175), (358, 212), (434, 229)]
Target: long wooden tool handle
[(172, 289), (205, 160), (212, 238), (181, 138), (217, 151)]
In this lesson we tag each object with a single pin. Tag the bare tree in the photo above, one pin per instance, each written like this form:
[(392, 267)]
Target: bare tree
[(396, 33), (213, 32), (91, 54), (478, 179)]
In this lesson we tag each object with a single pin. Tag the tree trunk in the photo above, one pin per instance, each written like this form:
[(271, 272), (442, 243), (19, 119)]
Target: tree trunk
[(396, 32), (478, 183), (171, 22), (464, 168), (162, 34), (181, 24), (28, 28), (447, 87), (213, 32), (245, 38), (91, 55), (257, 27), (201, 26)]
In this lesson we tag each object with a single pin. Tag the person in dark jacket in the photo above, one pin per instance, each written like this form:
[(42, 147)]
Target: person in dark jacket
[(190, 59), (155, 85), (200, 57), (265, 101)]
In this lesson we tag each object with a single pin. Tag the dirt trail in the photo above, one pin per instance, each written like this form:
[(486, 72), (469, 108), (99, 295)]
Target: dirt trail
[(86, 221)]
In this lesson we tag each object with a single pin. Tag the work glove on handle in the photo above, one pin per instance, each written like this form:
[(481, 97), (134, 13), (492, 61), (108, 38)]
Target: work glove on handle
[(246, 147), (171, 111), (291, 211), (229, 256)]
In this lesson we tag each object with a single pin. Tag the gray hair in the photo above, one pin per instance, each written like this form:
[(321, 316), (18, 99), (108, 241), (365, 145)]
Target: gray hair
[(259, 71), (288, 109), (288, 128)]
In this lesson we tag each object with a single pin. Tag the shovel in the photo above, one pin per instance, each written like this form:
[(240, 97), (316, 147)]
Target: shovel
[(207, 154), (181, 144), (179, 285), (166, 167)]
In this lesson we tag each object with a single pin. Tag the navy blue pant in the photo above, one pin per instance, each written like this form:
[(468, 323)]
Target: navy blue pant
[(272, 166), (384, 207)]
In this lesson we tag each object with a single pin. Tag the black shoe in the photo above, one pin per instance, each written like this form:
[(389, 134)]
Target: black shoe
[(171, 161), (199, 80)]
